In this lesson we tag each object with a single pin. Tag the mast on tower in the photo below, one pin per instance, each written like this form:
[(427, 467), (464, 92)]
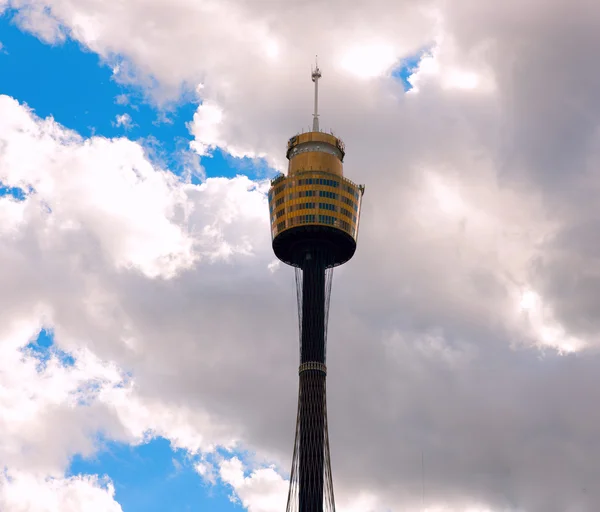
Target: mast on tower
[(316, 74)]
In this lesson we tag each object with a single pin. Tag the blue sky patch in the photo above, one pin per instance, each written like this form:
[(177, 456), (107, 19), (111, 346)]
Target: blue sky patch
[(43, 349), (153, 477), (76, 88), (408, 66), (15, 192)]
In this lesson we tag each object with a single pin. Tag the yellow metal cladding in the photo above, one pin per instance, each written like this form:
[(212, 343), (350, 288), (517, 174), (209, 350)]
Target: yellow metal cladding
[(315, 160), (314, 197), (314, 137), (314, 192)]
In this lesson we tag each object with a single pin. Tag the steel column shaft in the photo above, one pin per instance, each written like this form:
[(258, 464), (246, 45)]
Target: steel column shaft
[(312, 439), (312, 386), (313, 309)]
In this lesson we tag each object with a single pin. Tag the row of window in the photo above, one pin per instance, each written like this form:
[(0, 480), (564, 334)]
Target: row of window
[(316, 181), (329, 195), (351, 190), (302, 219), (312, 219), (326, 148), (322, 193), (302, 206), (319, 181), (310, 206), (349, 202), (345, 225), (327, 219)]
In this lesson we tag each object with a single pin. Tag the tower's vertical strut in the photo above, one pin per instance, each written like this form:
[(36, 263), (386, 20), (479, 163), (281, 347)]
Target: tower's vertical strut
[(311, 435)]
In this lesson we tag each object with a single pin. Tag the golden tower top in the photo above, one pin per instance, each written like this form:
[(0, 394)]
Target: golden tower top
[(314, 201)]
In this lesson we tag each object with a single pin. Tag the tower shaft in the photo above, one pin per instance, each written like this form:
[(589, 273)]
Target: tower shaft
[(312, 329), (311, 487), (311, 441), (312, 384)]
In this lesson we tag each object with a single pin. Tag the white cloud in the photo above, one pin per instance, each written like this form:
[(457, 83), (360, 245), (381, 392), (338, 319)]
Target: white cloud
[(35, 402), (124, 120), (205, 128), (37, 18), (207, 471), (369, 60), (74, 177), (272, 49), (444, 66), (20, 492), (122, 99), (544, 327), (262, 491)]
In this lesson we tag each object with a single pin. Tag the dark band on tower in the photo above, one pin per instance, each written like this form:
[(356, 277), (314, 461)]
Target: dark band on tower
[(315, 213)]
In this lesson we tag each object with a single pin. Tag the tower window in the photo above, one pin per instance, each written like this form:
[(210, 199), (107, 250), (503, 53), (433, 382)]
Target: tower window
[(326, 193), (304, 206), (327, 206), (306, 219), (327, 219)]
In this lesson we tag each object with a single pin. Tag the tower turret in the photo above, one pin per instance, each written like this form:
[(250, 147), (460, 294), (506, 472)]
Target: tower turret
[(314, 202)]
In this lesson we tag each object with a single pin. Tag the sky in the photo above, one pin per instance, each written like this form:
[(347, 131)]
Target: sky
[(148, 336)]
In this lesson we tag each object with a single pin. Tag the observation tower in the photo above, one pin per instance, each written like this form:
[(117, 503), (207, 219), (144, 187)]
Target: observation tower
[(315, 214)]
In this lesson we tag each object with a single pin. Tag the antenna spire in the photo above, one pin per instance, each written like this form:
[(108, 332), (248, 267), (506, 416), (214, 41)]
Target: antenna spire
[(316, 74)]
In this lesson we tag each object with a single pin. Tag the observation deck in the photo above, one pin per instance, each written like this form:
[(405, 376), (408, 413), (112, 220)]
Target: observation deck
[(314, 201)]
